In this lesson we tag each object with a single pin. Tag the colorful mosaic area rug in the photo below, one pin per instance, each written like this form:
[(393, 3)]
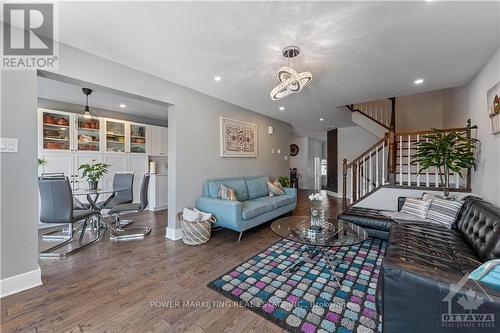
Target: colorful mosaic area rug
[(308, 300)]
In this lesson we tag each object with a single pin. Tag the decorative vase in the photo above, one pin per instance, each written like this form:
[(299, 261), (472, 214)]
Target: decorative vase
[(93, 185), (316, 214)]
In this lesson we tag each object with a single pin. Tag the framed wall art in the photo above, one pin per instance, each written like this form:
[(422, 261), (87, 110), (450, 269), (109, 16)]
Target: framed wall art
[(237, 138)]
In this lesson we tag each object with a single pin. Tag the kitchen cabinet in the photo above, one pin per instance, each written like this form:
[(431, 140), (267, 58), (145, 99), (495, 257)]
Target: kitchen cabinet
[(87, 134), (158, 192), (138, 138), (55, 130), (158, 140), (115, 139)]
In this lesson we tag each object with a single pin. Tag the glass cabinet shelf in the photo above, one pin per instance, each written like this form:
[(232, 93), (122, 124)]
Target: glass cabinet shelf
[(115, 136), (137, 138), (56, 131), (87, 134)]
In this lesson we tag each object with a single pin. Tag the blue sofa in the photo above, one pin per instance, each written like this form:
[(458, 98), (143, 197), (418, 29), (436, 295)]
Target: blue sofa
[(254, 205)]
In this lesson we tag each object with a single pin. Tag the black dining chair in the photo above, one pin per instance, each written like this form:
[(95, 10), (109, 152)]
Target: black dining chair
[(57, 208), (131, 233)]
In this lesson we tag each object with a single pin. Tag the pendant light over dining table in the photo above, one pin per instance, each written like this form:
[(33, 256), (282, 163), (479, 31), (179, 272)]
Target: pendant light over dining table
[(87, 114), (290, 81)]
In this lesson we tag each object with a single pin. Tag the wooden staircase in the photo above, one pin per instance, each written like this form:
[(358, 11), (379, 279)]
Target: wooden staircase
[(388, 163)]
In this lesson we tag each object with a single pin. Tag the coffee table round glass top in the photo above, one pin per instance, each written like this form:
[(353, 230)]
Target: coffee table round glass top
[(331, 233)]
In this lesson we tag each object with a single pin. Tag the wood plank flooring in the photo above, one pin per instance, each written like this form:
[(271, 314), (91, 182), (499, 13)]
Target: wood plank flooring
[(117, 286)]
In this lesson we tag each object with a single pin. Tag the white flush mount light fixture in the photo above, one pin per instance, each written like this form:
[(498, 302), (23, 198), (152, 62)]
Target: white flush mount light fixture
[(321, 119), (418, 81), (282, 108), (217, 78), (123, 106), (289, 81)]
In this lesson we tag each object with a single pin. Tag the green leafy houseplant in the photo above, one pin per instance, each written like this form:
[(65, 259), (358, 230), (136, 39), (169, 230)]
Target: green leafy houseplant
[(93, 172), (284, 181), (447, 152)]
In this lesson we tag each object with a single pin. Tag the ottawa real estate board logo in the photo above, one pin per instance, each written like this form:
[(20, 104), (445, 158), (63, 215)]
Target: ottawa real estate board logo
[(468, 308), (29, 31)]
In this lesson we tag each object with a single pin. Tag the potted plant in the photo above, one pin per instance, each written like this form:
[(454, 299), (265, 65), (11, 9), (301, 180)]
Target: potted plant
[(284, 181), (447, 152), (93, 172)]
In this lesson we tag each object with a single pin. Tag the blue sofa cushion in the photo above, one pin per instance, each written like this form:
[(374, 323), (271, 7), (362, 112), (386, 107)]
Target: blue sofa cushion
[(238, 186), (279, 200), (253, 208), (257, 187)]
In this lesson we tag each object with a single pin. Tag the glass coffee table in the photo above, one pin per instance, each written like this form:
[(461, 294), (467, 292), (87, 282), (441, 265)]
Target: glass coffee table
[(318, 242)]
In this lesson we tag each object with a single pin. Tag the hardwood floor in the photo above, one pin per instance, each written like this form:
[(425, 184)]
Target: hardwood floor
[(117, 286)]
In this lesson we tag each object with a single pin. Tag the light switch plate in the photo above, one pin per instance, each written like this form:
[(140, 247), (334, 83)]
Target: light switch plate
[(272, 151), (8, 145), (286, 157)]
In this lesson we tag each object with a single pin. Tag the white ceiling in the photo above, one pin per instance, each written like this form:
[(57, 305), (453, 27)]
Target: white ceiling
[(356, 51), (69, 93)]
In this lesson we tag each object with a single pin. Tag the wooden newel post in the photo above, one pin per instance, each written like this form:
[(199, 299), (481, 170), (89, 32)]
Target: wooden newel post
[(344, 184), (392, 157)]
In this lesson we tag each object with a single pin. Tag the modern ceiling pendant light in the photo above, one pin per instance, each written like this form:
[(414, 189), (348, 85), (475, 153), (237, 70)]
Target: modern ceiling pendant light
[(290, 81), (87, 114)]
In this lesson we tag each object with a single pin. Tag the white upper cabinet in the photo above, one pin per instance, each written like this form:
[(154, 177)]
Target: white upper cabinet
[(87, 134), (116, 136), (55, 130), (138, 138), (158, 137), (61, 131)]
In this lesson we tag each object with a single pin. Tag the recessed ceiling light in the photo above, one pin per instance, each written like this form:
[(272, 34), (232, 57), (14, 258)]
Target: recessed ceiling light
[(321, 119), (418, 81), (123, 106), (217, 78), (333, 126), (282, 108)]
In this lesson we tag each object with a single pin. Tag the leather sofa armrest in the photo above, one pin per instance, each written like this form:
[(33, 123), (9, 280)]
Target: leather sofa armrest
[(227, 212)]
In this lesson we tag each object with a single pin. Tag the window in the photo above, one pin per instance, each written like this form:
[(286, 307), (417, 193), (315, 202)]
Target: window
[(323, 167)]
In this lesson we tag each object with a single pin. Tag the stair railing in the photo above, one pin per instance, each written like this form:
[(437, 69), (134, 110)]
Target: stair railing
[(389, 162), (380, 111), (366, 173)]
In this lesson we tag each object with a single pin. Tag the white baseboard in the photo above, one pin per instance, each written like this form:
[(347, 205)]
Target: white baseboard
[(17, 283), (333, 194), (155, 209), (174, 234)]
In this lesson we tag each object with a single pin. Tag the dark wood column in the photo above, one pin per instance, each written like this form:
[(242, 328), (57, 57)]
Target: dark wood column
[(332, 161)]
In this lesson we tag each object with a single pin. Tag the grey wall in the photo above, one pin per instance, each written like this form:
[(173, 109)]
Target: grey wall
[(299, 161), (193, 142), (352, 142), (469, 102), (75, 108), (18, 225)]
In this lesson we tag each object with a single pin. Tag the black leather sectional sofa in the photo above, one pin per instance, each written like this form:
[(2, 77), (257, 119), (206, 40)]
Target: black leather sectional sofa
[(423, 262)]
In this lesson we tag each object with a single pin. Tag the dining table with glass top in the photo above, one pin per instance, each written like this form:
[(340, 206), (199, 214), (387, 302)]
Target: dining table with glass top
[(318, 240), (93, 203)]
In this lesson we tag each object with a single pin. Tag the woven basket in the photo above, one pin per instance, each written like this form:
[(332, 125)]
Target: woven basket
[(196, 232)]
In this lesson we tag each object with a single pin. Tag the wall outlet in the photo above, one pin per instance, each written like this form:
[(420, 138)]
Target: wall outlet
[(8, 145), (286, 157)]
